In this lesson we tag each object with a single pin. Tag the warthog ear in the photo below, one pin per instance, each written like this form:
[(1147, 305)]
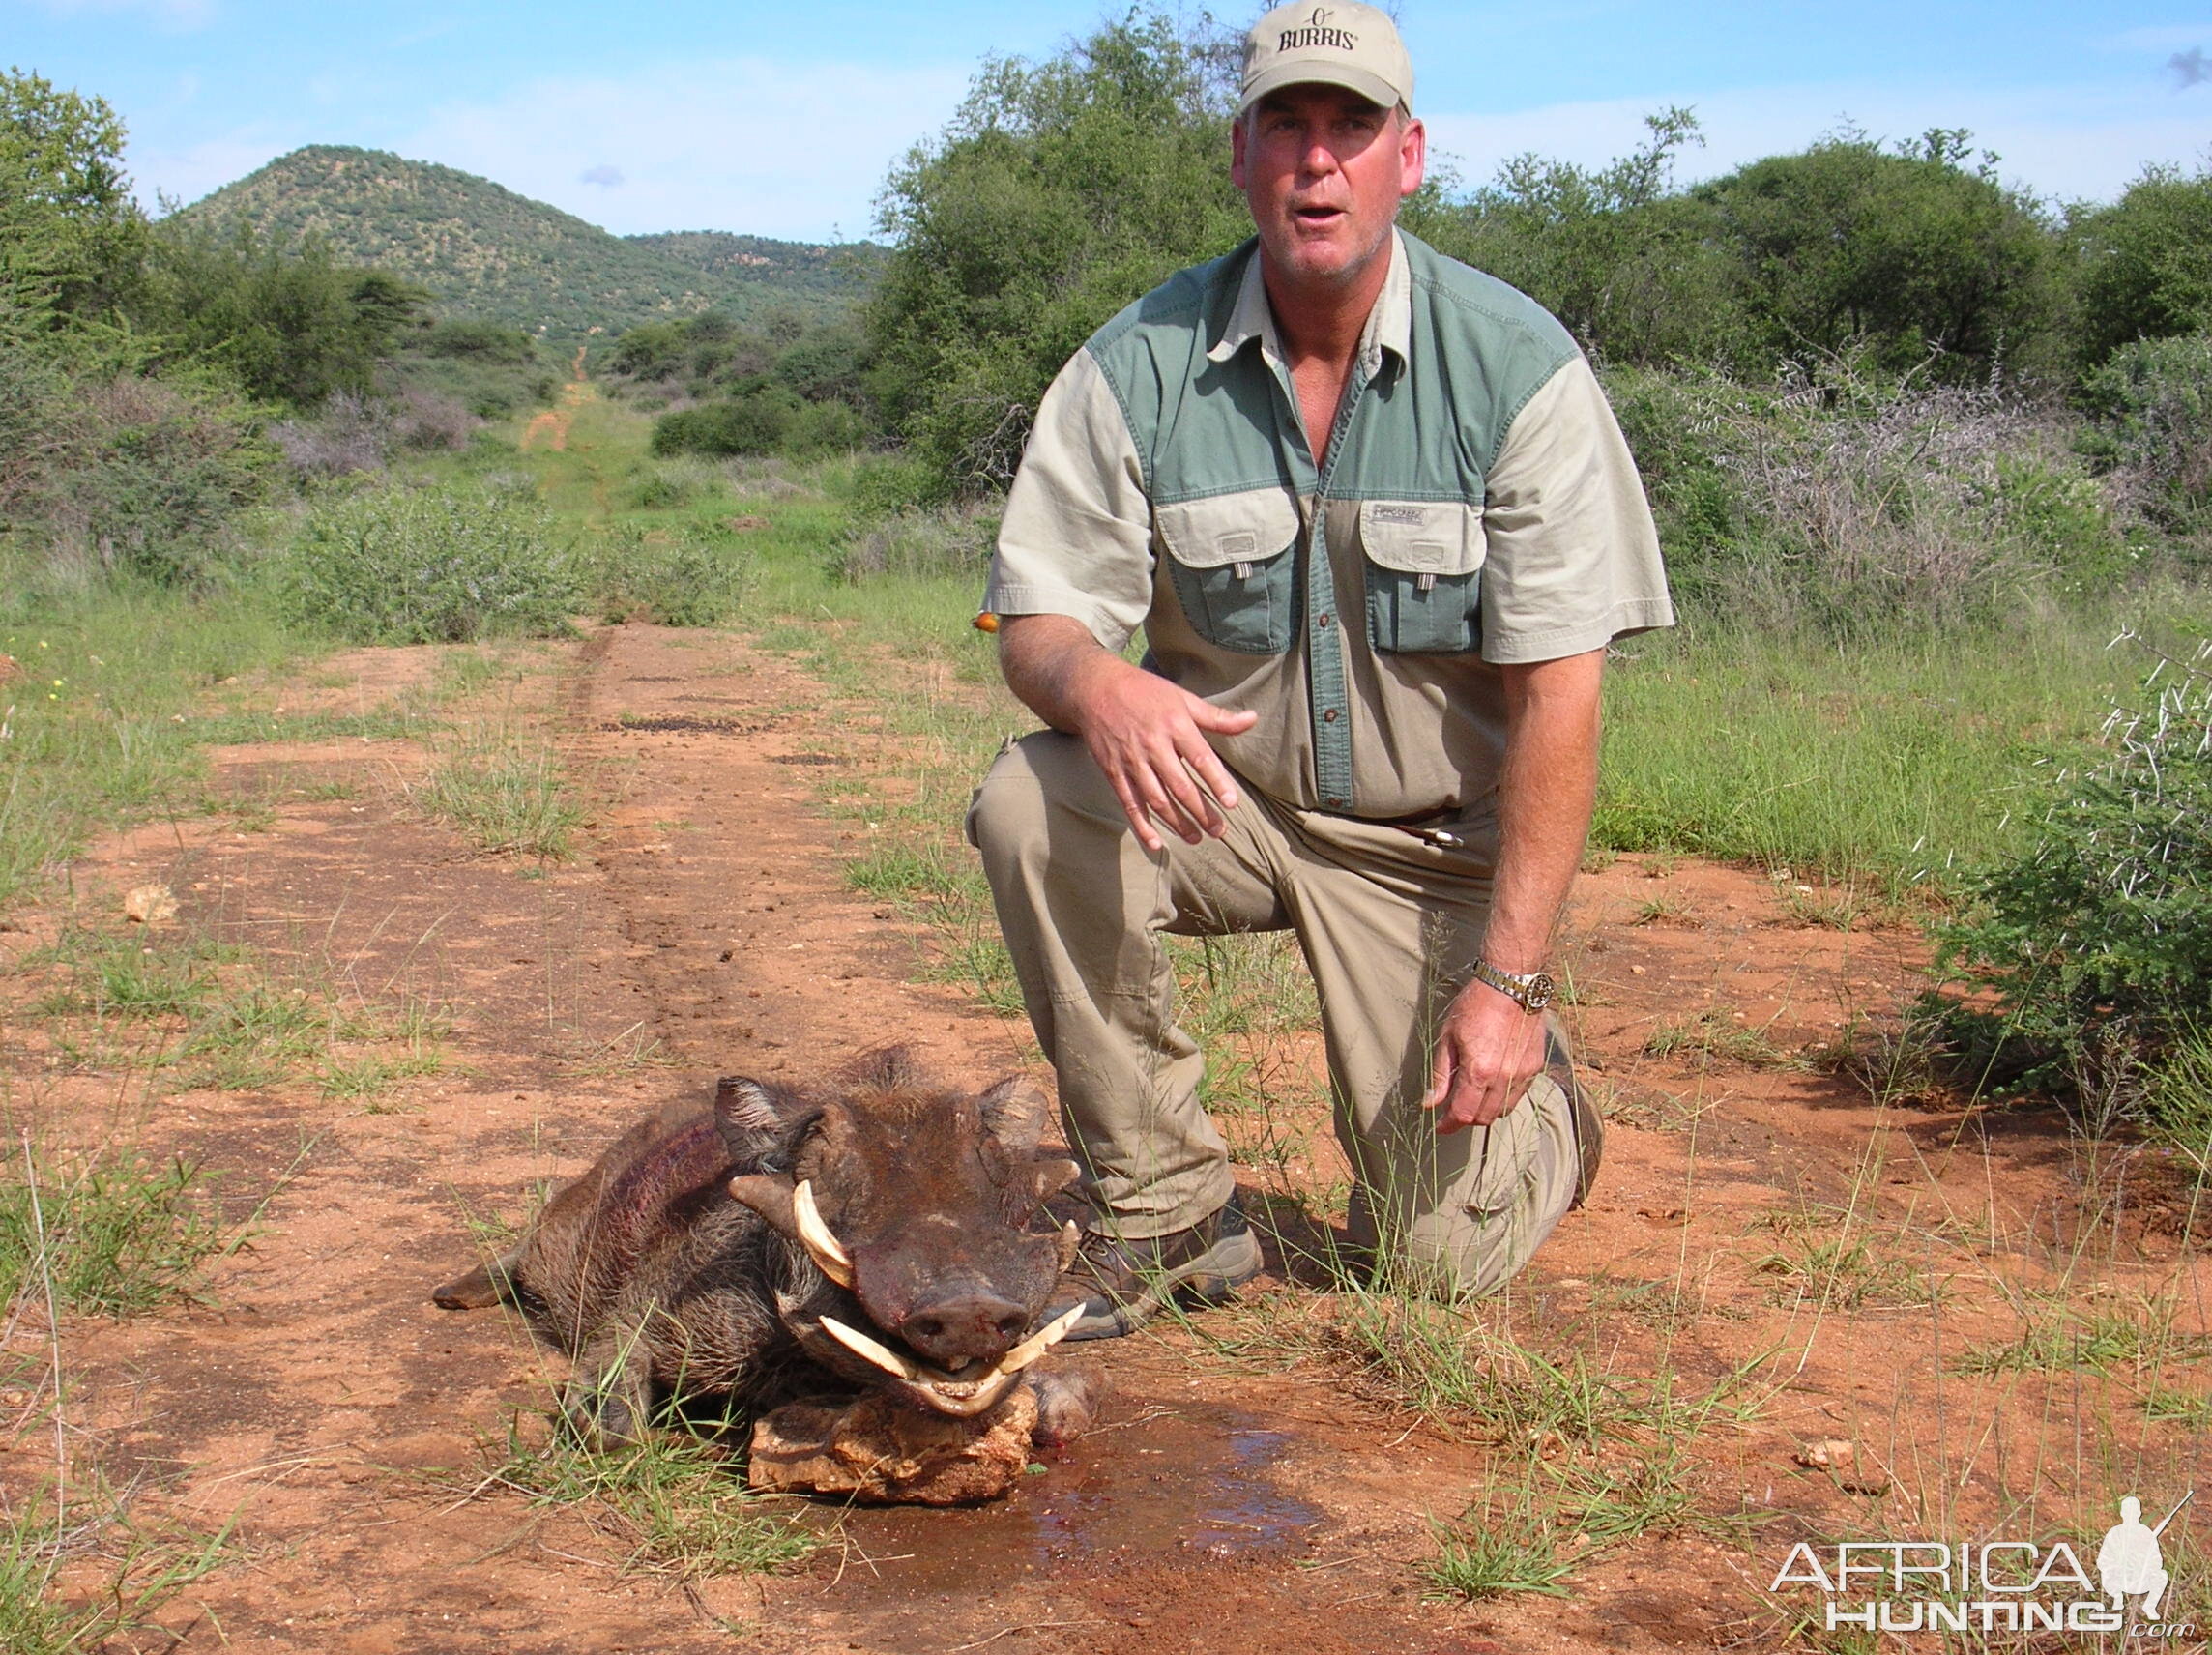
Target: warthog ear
[(767, 1193), (1053, 1174), (1014, 1112), (747, 1118)]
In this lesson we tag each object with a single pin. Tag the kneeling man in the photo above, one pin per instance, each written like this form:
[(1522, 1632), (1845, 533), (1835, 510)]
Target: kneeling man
[(1376, 518)]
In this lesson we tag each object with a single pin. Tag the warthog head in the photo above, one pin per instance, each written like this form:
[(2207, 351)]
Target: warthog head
[(910, 1207)]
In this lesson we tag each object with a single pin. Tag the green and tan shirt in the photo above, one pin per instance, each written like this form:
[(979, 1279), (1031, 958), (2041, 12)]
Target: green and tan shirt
[(1478, 507)]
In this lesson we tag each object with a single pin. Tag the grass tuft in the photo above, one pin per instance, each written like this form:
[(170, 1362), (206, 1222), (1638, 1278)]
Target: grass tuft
[(502, 795), (114, 1236)]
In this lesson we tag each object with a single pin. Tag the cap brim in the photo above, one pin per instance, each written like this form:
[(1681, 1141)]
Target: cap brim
[(1368, 84)]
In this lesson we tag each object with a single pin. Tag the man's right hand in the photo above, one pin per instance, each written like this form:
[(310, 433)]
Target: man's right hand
[(1146, 736)]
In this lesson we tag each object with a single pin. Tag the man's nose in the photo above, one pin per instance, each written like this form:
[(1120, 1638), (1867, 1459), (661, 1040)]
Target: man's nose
[(1319, 159)]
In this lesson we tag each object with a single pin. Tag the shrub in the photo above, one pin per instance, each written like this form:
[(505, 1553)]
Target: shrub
[(293, 327), (1060, 192), (390, 565), (750, 424), (2146, 264), (683, 577), (350, 434), (2094, 950), (923, 543), (762, 418), (2155, 399), (1852, 500), (1899, 251)]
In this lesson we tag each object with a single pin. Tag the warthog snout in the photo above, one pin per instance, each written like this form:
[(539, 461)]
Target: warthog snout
[(965, 1327)]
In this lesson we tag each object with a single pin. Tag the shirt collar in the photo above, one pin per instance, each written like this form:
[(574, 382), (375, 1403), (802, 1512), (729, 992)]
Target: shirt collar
[(1389, 324)]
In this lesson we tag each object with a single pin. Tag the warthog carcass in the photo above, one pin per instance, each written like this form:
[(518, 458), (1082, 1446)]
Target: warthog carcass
[(872, 1236)]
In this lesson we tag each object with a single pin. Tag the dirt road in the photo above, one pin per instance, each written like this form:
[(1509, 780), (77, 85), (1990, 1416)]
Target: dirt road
[(1251, 1493)]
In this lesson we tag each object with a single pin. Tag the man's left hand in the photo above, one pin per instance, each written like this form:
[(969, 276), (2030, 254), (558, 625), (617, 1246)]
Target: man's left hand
[(1488, 1051)]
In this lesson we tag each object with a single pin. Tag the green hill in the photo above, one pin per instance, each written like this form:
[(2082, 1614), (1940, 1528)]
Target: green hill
[(487, 252)]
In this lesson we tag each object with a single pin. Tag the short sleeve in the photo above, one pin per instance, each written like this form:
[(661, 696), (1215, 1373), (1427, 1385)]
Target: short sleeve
[(1076, 539), (1573, 557)]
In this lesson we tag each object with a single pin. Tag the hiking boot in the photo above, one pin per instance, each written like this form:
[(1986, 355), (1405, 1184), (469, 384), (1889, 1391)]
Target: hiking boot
[(1123, 1284)]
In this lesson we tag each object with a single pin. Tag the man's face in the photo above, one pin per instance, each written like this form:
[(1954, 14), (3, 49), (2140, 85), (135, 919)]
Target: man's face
[(1323, 170)]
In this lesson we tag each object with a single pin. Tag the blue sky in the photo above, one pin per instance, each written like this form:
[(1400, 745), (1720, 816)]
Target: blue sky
[(782, 120)]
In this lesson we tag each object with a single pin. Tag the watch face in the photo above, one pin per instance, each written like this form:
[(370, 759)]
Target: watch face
[(1538, 993)]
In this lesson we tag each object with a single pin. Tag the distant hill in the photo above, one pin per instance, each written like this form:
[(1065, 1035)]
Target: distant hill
[(490, 253), (841, 272)]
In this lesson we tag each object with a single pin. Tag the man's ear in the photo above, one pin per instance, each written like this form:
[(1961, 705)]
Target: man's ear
[(1236, 129), (767, 1193), (1412, 156)]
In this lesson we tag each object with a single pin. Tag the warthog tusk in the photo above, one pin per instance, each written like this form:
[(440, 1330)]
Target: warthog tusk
[(868, 1351), (1070, 1240), (1039, 1343), (962, 1398), (821, 1246)]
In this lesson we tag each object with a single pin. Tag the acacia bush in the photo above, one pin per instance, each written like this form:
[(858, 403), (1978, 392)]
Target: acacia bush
[(919, 542), (115, 472), (429, 566), (762, 419), (2145, 264)]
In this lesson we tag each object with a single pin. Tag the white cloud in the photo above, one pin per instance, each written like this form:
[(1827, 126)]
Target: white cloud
[(750, 145), (2070, 143)]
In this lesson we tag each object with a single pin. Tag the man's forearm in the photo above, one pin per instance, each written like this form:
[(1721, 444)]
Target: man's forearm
[(1546, 794), (1041, 657)]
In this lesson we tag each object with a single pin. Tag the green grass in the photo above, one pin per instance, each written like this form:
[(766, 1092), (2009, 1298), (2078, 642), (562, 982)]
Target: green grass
[(2140, 1339), (109, 1235), (1820, 1264), (1497, 1553), (1903, 763), (41, 1615), (1714, 1034), (673, 1505), (107, 727)]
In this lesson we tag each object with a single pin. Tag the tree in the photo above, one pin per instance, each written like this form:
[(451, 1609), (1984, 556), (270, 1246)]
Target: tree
[(71, 237), (291, 327), (1059, 193), (2146, 264), (1636, 272), (1904, 251)]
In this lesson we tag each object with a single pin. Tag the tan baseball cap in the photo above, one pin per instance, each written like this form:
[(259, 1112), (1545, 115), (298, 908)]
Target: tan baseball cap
[(1348, 44)]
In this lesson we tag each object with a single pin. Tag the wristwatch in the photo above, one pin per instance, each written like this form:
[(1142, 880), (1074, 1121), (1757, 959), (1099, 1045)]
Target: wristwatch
[(1531, 991)]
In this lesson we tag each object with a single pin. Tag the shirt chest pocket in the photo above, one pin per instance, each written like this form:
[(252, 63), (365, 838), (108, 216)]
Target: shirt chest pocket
[(1423, 563), (1233, 561)]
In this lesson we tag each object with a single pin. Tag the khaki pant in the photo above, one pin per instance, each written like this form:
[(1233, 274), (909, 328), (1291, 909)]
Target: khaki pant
[(1390, 926)]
